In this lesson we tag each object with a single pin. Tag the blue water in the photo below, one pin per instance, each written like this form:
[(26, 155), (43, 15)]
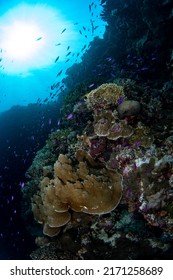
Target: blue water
[(28, 113), (25, 81)]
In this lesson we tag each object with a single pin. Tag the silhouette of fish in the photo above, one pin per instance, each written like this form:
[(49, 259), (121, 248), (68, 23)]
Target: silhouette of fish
[(60, 72), (38, 39), (63, 30), (83, 47), (68, 54), (56, 59)]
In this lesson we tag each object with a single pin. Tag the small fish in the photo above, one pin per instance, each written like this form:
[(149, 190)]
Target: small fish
[(67, 60), (38, 39), (83, 48), (63, 30), (144, 68), (116, 129), (76, 23), (68, 54), (56, 59), (92, 24), (57, 84), (22, 184), (103, 1), (84, 28), (68, 48), (70, 116), (91, 85), (58, 44), (60, 72), (80, 32), (78, 54)]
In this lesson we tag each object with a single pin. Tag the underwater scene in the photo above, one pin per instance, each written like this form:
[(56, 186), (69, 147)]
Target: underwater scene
[(86, 130)]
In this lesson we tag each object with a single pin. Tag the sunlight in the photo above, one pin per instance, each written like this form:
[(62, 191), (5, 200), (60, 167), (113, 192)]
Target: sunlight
[(21, 40), (29, 35)]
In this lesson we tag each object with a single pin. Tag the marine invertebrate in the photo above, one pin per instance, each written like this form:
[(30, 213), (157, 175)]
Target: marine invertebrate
[(105, 96), (120, 129), (147, 188), (129, 108), (82, 187), (142, 136)]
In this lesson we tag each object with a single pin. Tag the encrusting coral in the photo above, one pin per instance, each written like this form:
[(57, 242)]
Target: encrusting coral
[(105, 96)]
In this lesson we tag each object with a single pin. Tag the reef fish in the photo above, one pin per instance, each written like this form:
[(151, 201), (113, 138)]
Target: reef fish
[(63, 30), (38, 39)]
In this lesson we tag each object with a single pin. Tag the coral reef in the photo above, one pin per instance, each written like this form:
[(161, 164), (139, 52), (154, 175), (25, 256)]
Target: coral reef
[(112, 177)]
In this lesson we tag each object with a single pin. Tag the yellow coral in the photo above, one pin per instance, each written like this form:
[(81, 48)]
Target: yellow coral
[(142, 136), (105, 96)]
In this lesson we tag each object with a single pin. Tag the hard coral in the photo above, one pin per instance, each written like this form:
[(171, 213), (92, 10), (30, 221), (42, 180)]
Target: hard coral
[(142, 136), (82, 187), (106, 123), (49, 211), (105, 96), (120, 129), (128, 108), (93, 191)]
